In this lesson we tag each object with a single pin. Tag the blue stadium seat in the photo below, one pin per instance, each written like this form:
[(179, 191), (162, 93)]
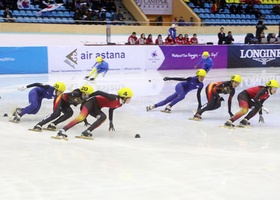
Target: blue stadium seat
[(52, 20), (15, 13), (33, 19), (19, 19), (66, 14), (26, 20), (207, 16), (202, 15), (29, 13), (22, 13)]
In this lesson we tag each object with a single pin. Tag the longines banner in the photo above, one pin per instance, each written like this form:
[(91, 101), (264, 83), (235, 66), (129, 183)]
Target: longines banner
[(155, 7), (253, 56)]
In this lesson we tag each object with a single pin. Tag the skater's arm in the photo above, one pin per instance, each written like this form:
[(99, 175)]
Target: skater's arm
[(230, 101), (258, 103), (198, 95), (176, 79), (38, 85), (111, 97), (111, 125)]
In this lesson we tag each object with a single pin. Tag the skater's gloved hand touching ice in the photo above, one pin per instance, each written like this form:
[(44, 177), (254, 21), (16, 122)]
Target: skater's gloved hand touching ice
[(111, 126), (261, 119), (86, 123), (166, 79), (230, 113)]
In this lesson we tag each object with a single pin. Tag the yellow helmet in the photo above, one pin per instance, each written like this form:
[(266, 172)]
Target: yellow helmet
[(125, 92), (59, 86), (99, 59), (201, 72), (272, 83), (236, 78), (87, 89), (205, 54)]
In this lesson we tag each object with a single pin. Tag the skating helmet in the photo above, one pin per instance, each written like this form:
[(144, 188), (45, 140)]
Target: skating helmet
[(236, 78), (99, 59), (125, 92), (205, 54), (272, 83), (87, 89), (59, 86), (201, 72)]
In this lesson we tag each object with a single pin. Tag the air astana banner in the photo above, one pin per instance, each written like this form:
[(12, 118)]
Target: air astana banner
[(155, 7), (253, 56)]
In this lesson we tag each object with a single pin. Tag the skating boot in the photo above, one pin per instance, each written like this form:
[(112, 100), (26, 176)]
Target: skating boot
[(167, 109), (229, 124), (15, 115), (51, 127), (37, 128), (244, 122), (151, 107), (60, 135), (196, 117), (86, 135), (91, 79)]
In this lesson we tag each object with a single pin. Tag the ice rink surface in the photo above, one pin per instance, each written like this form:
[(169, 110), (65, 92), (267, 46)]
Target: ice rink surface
[(175, 158)]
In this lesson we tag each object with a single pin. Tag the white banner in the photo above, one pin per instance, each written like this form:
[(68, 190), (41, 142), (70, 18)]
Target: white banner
[(155, 7), (51, 7), (126, 57)]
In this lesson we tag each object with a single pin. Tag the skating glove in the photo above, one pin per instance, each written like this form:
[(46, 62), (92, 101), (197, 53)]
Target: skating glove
[(166, 79), (86, 123), (230, 114), (222, 99), (86, 77), (261, 119), (111, 126), (22, 88)]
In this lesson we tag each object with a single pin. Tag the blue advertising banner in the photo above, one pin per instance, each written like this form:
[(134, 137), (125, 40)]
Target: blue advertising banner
[(23, 60), (253, 56), (186, 57)]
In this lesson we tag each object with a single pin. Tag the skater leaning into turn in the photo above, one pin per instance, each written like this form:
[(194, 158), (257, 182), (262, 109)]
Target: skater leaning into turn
[(62, 104), (213, 91), (35, 97), (252, 98), (93, 107), (181, 90), (207, 62), (99, 67)]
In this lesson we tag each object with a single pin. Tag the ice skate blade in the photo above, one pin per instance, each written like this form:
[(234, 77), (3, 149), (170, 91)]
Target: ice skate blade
[(34, 130), (194, 119), (84, 137), (228, 127), (48, 129), (16, 122), (242, 126), (59, 138), (165, 111)]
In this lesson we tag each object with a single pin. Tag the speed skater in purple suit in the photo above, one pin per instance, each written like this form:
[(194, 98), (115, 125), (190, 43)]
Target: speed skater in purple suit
[(213, 91), (252, 98), (35, 97), (207, 62), (181, 90), (93, 107)]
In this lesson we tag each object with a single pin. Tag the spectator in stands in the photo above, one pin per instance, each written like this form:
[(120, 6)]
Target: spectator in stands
[(215, 7), (240, 9), (250, 9), (120, 17), (172, 32), (182, 22), (258, 14), (194, 39), (233, 9), (175, 20), (229, 38), (272, 39), (159, 40), (159, 20), (191, 22), (8, 16), (111, 7), (260, 27), (132, 39), (186, 39), (142, 39), (276, 9), (279, 30), (263, 39), (169, 40), (180, 39), (149, 39), (77, 16), (44, 4), (221, 36)]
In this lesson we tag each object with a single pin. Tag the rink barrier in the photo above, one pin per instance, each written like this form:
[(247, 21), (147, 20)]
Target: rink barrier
[(52, 59)]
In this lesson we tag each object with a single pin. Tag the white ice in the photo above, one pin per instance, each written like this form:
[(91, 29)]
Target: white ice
[(175, 158)]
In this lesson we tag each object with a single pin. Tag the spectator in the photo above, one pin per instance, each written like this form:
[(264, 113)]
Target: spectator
[(223, 5), (229, 38), (272, 39), (260, 27), (8, 16), (159, 40), (132, 39), (186, 39), (149, 40), (250, 9), (175, 20), (119, 17), (159, 20), (215, 8), (182, 22), (191, 22), (258, 14), (142, 39), (77, 16), (279, 31), (169, 40), (276, 9), (263, 39), (194, 39), (180, 39), (240, 9), (111, 6), (172, 32), (221, 36), (233, 9)]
